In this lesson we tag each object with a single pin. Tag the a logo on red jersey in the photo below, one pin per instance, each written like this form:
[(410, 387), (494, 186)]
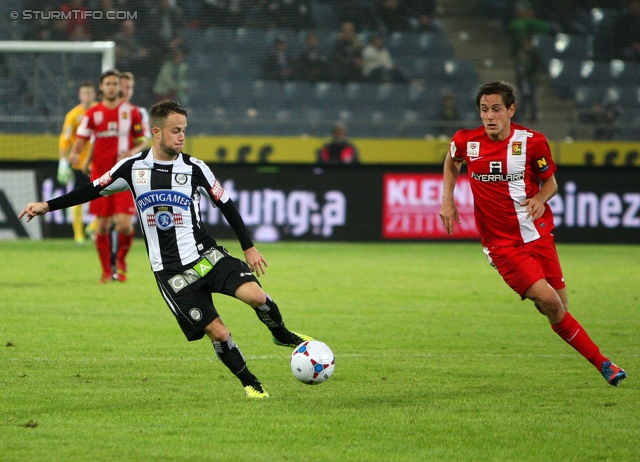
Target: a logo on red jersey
[(217, 191), (124, 115), (495, 166), (98, 117), (543, 165), (473, 148), (516, 148)]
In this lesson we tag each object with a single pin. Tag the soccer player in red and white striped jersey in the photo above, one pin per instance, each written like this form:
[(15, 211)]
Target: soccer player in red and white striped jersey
[(117, 128), (512, 177)]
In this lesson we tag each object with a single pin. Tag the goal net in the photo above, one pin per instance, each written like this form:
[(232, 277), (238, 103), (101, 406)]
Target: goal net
[(38, 84)]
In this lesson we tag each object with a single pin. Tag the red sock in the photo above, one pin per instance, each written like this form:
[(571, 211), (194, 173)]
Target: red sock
[(103, 245), (124, 244), (574, 334)]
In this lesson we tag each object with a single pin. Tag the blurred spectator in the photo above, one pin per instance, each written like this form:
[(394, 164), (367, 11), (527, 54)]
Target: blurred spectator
[(447, 116), (346, 56), (260, 14), (361, 13), (377, 64), (528, 70), (278, 64), (425, 22), (526, 24), (130, 52), (604, 118), (627, 32), (38, 28), (567, 16), (172, 79), (221, 13), (105, 29), (339, 150), (77, 26), (313, 63), (295, 14), (165, 25), (395, 15)]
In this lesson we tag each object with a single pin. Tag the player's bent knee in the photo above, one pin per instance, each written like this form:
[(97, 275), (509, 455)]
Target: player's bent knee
[(217, 331), (252, 294)]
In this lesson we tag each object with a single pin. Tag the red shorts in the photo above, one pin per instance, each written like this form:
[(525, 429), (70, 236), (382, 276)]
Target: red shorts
[(114, 204), (522, 265)]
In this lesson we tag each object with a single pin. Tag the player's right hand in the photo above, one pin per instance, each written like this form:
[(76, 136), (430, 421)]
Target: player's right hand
[(64, 172), (33, 209)]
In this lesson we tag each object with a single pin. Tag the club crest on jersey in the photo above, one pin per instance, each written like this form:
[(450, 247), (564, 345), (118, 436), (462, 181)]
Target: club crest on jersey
[(142, 177), (473, 148), (98, 117), (164, 220), (124, 115), (543, 165), (516, 148), (163, 198), (181, 178)]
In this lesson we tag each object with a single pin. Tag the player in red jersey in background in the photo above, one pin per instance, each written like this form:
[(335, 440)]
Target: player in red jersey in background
[(512, 178), (117, 127)]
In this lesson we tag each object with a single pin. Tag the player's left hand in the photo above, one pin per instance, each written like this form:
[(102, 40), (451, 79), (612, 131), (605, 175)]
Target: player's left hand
[(535, 208), (255, 260)]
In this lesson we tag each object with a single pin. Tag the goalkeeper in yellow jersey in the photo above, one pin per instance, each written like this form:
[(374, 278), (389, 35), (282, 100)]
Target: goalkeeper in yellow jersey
[(87, 96)]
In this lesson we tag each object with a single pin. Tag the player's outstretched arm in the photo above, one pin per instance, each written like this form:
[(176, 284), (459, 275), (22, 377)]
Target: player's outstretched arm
[(449, 211), (33, 209), (255, 260)]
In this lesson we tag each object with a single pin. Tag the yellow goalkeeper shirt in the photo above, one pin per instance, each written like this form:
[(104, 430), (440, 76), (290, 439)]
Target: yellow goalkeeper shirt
[(68, 134)]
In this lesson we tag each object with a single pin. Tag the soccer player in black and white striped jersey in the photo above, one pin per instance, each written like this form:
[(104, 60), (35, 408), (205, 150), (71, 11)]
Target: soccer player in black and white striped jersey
[(187, 262)]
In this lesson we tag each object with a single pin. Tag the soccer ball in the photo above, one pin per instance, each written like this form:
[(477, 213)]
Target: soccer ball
[(312, 362)]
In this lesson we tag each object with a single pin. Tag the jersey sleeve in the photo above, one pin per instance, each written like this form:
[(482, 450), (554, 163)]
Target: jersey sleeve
[(221, 199), (542, 161), (66, 135), (86, 127), (456, 148), (137, 128)]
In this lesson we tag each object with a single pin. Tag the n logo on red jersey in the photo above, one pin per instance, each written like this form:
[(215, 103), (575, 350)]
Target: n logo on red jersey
[(542, 164)]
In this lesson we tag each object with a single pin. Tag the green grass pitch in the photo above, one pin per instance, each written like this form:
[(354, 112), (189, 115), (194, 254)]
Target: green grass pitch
[(436, 359)]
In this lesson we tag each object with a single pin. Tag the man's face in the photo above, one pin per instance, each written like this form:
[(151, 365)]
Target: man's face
[(87, 95), (171, 137), (496, 117), (110, 88), (126, 89)]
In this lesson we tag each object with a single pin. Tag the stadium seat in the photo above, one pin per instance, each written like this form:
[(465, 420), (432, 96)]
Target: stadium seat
[(297, 94), (329, 95)]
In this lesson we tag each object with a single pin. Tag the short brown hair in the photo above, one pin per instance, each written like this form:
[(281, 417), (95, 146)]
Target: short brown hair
[(160, 111), (502, 88)]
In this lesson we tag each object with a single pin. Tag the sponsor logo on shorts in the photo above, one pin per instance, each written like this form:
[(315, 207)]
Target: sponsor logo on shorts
[(195, 314)]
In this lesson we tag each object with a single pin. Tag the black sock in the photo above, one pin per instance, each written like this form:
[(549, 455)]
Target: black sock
[(270, 316), (230, 355)]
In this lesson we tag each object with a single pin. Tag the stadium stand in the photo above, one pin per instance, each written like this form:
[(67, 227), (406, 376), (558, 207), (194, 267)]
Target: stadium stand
[(227, 94)]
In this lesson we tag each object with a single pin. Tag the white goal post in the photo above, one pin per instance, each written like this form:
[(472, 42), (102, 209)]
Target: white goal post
[(106, 49)]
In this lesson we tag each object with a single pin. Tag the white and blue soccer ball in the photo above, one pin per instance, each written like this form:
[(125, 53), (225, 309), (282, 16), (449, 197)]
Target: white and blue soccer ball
[(312, 362)]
